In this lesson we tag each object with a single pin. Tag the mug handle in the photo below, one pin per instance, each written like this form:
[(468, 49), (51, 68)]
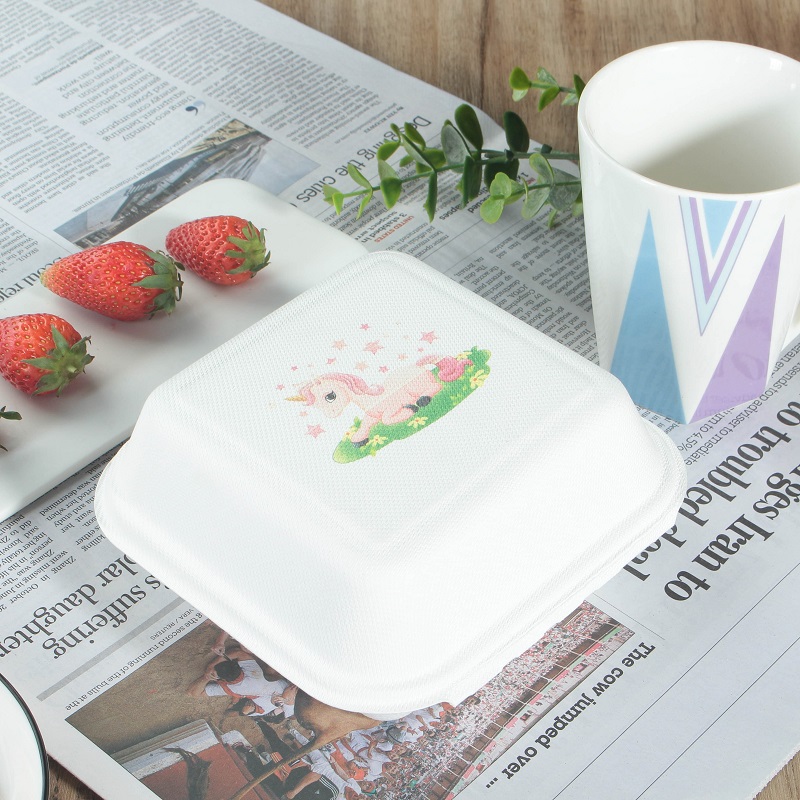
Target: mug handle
[(794, 329)]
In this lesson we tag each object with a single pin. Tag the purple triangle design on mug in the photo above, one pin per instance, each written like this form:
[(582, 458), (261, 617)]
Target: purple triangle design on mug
[(744, 365), (715, 231)]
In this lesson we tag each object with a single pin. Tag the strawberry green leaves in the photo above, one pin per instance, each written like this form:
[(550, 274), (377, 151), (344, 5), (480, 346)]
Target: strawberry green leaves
[(61, 364), (165, 278)]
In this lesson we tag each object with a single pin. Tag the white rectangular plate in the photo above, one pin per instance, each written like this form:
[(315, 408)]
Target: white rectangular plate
[(59, 435)]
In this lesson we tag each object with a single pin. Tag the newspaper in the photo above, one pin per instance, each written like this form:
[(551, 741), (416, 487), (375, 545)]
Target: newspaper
[(674, 680)]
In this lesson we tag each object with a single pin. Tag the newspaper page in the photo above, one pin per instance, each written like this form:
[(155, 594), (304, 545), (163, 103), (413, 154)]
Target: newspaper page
[(673, 680)]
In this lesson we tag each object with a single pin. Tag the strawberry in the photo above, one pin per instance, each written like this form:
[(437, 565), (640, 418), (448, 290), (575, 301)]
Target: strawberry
[(224, 250), (41, 353), (8, 415), (121, 280)]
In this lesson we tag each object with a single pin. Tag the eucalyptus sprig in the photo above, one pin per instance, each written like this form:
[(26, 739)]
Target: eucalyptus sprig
[(462, 152), (521, 84)]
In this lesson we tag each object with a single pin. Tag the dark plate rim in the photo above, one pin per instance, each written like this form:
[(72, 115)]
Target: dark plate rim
[(37, 734)]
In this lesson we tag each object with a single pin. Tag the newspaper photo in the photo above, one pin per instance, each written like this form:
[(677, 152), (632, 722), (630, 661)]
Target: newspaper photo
[(673, 680)]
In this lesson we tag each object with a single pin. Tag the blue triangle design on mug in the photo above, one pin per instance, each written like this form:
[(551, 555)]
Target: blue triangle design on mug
[(643, 358), (718, 214), (715, 231)]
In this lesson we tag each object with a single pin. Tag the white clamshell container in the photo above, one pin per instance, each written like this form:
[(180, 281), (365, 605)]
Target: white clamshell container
[(389, 488)]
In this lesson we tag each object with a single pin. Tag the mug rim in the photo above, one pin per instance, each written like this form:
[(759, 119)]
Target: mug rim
[(584, 129)]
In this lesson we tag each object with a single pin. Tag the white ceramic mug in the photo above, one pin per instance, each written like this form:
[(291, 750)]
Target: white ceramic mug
[(690, 163)]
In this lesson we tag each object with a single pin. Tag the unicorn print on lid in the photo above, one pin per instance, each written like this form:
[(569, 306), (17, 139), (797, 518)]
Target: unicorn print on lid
[(407, 400)]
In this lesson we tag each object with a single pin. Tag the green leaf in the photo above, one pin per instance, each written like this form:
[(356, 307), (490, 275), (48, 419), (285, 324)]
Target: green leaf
[(357, 176), (413, 135), (542, 167), (360, 179), (467, 122), (471, 180), (563, 196), (494, 169), (573, 95), (9, 414), (433, 192), (518, 79), (547, 97), (502, 186), (520, 83), (544, 76), (334, 197), (391, 186), (388, 149), (492, 209), (551, 218), (453, 144), (362, 206), (534, 201), (435, 157), (516, 132), (405, 161), (416, 153)]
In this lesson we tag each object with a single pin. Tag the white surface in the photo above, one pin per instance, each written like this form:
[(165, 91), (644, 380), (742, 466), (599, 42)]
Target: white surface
[(22, 765), (395, 581), (58, 435)]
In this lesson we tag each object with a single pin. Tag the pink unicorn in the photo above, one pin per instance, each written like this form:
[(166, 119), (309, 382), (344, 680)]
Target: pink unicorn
[(403, 393)]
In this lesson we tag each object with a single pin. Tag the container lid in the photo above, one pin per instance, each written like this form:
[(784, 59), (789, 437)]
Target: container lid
[(389, 488)]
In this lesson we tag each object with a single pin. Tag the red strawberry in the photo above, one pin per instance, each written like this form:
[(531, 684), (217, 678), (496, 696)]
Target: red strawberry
[(120, 280), (223, 250), (41, 353)]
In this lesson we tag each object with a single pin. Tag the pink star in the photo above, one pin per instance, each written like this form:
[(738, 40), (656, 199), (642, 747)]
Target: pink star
[(365, 327), (315, 430), (361, 366), (331, 360), (294, 367), (339, 344), (280, 387), (403, 356), (420, 349), (373, 347), (428, 337), (383, 369)]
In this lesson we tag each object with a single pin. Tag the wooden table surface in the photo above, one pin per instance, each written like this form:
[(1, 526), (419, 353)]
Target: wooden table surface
[(468, 47)]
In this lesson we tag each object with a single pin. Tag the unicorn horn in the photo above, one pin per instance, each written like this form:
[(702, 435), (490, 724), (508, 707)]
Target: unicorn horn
[(298, 398)]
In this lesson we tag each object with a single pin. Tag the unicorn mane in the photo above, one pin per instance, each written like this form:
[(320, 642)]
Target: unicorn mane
[(355, 384)]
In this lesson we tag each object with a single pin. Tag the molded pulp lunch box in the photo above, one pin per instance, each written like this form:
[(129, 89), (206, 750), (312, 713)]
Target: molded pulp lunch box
[(389, 488)]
